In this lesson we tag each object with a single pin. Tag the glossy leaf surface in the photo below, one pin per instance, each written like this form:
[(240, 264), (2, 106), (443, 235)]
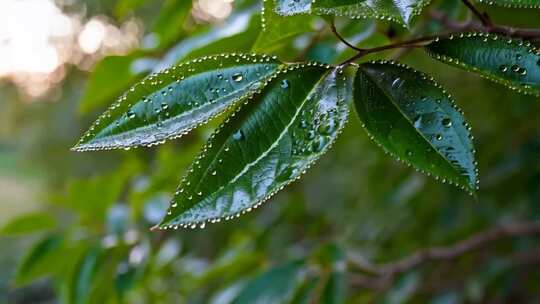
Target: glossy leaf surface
[(273, 286), (513, 3), (400, 11), (416, 121), (263, 147), (512, 63), (171, 103)]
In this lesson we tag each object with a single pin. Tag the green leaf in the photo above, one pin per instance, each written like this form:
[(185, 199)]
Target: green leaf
[(29, 223), (170, 23), (264, 146), (277, 29), (274, 286), (110, 77), (292, 7), (215, 40), (171, 103), (43, 259), (415, 120), (512, 63), (513, 3), (401, 12), (82, 278)]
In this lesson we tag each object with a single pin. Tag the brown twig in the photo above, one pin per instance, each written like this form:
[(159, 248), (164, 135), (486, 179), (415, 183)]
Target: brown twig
[(483, 17), (341, 38), (382, 275), (453, 27)]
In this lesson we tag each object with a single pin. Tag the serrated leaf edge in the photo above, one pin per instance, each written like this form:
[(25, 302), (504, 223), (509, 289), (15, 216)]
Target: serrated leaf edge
[(80, 147), (457, 63), (409, 164), (202, 224)]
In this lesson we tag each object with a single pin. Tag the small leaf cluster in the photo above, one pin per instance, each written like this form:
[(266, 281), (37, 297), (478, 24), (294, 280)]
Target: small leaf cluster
[(281, 117)]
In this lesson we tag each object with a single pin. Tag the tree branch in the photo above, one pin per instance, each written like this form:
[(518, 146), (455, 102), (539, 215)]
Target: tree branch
[(384, 273)]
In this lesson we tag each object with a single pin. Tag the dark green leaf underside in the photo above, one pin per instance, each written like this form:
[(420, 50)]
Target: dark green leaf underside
[(513, 3), (416, 121), (264, 146), (401, 12), (512, 63), (171, 103)]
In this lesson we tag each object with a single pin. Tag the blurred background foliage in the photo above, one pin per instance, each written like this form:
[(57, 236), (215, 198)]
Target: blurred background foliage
[(74, 228)]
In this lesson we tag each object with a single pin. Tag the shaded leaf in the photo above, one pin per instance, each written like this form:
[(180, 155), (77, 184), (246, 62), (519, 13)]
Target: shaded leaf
[(512, 63), (171, 103), (416, 121), (264, 146), (109, 78), (277, 29), (401, 12), (43, 259), (170, 23), (274, 286), (513, 3), (213, 41), (81, 280), (334, 291), (29, 223)]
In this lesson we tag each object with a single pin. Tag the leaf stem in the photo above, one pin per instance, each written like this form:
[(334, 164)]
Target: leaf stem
[(417, 42), (483, 17), (341, 38)]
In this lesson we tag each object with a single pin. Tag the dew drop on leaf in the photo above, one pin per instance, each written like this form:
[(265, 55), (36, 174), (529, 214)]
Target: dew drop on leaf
[(237, 77), (447, 122), (285, 84), (238, 135)]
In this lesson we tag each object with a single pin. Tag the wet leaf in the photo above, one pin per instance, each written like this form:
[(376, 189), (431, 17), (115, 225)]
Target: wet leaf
[(274, 286), (171, 103), (401, 12), (264, 146), (512, 63), (416, 121), (277, 29), (292, 7), (513, 3)]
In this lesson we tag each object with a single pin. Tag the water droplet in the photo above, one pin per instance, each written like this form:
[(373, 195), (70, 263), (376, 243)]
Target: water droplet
[(439, 137), (327, 128), (238, 135), (237, 77), (164, 106), (131, 114), (409, 153), (285, 84), (447, 122)]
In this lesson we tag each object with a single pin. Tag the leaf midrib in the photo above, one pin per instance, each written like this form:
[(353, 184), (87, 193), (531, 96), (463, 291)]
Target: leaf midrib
[(195, 121), (264, 154)]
